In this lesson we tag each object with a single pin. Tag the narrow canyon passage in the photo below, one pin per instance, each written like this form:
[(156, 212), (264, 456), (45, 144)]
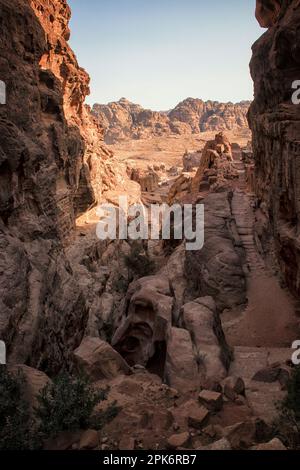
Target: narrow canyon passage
[(193, 347), (269, 319)]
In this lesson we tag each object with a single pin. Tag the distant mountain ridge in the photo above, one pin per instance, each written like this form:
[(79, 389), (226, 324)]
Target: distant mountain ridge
[(125, 120)]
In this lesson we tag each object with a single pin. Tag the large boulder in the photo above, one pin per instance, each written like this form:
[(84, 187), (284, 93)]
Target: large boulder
[(202, 321), (99, 360), (181, 364), (145, 322), (274, 444)]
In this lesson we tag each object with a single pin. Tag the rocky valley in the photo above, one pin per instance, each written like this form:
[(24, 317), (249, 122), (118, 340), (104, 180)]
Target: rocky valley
[(179, 350)]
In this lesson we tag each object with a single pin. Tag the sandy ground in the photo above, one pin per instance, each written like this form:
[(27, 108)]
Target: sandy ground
[(169, 150)]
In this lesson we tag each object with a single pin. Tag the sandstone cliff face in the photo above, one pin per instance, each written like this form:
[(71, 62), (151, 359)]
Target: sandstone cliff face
[(53, 165), (123, 119), (275, 123), (210, 115)]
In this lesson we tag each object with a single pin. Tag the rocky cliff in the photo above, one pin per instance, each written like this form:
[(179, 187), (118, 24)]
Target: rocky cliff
[(275, 123), (124, 119), (53, 166)]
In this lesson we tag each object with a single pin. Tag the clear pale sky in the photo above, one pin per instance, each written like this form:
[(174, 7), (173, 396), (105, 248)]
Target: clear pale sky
[(159, 52)]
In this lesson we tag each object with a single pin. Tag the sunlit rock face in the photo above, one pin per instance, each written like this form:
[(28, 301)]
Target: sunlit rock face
[(275, 123), (125, 120), (53, 166)]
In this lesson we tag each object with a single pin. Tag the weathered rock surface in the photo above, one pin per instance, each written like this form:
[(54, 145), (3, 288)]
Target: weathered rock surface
[(221, 445), (262, 397), (215, 171), (213, 401), (123, 119), (34, 382), (147, 179), (274, 444), (181, 362), (267, 12), (98, 360), (191, 160), (180, 188), (202, 321), (217, 269), (211, 115), (53, 166), (178, 440), (241, 435), (145, 322), (233, 386), (216, 156), (275, 123)]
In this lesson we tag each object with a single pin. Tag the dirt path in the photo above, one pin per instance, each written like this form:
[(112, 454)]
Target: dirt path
[(269, 319)]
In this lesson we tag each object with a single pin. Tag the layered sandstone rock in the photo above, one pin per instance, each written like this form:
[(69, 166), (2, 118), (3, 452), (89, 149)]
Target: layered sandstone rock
[(53, 166), (191, 160), (217, 269), (202, 321), (215, 171), (214, 152), (267, 12), (98, 360), (141, 337), (147, 179), (275, 123), (203, 116), (123, 119)]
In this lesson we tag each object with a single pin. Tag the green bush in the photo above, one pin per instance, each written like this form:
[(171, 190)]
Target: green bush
[(287, 427), (17, 428), (138, 261), (67, 404), (292, 401)]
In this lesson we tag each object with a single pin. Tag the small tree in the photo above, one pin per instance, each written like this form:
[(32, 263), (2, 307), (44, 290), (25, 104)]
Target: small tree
[(67, 404), (292, 401), (287, 427), (17, 428)]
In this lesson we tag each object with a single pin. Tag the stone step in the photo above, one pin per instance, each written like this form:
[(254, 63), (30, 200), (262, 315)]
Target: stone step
[(262, 397)]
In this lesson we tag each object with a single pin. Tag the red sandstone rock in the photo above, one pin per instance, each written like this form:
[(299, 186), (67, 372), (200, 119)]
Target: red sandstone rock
[(123, 120), (267, 12), (275, 124), (99, 360), (53, 166)]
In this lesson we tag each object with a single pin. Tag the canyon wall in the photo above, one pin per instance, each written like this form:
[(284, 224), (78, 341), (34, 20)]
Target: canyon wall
[(275, 123), (126, 120), (53, 166)]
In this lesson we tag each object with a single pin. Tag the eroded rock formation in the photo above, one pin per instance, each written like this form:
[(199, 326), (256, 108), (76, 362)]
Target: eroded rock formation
[(53, 166), (124, 119), (146, 319), (215, 151), (275, 123)]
